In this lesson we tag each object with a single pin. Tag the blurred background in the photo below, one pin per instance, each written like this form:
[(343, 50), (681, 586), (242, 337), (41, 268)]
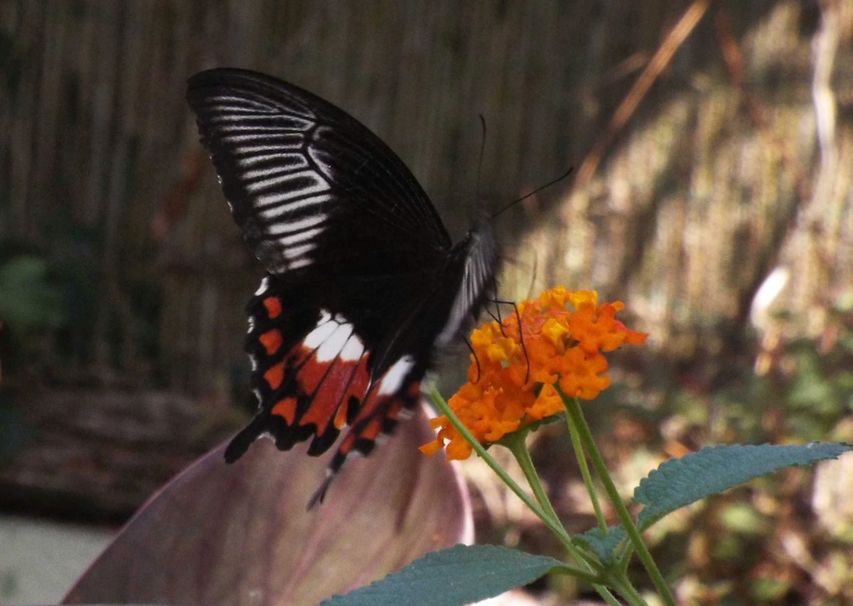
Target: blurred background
[(713, 150)]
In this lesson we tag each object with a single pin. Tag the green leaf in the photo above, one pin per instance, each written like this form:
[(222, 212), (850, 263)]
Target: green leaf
[(679, 482), (603, 543), (459, 575)]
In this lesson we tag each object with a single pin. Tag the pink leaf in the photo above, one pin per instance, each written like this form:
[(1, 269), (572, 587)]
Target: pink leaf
[(240, 534)]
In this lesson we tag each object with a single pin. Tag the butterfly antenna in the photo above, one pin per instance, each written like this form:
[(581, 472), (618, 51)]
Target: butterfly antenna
[(497, 318), (520, 333), (476, 358), (482, 152), (533, 193), (521, 339)]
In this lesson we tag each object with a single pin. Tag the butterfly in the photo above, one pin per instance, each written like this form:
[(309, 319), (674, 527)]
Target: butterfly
[(363, 284)]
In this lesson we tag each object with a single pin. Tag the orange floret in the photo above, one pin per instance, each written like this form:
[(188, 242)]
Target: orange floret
[(564, 334)]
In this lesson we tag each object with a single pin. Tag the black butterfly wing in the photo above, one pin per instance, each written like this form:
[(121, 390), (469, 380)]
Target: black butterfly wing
[(351, 242), (309, 184), (362, 279)]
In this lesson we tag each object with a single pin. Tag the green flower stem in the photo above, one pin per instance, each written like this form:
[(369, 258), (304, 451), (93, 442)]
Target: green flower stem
[(628, 591), (587, 477), (574, 410), (516, 443), (583, 575), (553, 525)]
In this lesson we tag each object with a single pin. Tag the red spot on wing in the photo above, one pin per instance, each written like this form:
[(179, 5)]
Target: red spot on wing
[(275, 375), (367, 425), (311, 374), (338, 380), (273, 305), (286, 409), (271, 340)]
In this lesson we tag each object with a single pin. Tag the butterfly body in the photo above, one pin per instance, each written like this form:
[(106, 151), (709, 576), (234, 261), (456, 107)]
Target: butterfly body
[(363, 283)]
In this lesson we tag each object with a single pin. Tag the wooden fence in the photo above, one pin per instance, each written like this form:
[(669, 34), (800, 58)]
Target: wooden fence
[(713, 143)]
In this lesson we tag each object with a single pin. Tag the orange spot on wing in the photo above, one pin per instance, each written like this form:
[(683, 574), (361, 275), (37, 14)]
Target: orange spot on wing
[(275, 375), (371, 430), (311, 375), (286, 409), (271, 340), (341, 415), (273, 305), (347, 443)]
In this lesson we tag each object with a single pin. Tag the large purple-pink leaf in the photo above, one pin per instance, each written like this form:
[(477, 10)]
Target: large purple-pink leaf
[(240, 534)]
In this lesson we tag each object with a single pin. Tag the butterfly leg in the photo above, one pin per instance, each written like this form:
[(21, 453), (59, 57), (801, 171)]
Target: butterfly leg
[(520, 331)]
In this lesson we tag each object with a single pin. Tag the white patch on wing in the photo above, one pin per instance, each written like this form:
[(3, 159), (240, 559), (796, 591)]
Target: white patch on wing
[(325, 327), (299, 263), (284, 227), (285, 163), (265, 284), (268, 201), (310, 183), (296, 237), (218, 102), (249, 155), (294, 252), (353, 350), (290, 140), (236, 124), (394, 376), (334, 343)]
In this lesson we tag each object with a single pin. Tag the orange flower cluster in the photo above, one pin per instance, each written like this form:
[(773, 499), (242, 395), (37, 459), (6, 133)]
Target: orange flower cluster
[(561, 346)]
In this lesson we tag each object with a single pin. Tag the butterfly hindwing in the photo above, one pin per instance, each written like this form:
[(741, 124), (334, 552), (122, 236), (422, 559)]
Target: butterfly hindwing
[(312, 376)]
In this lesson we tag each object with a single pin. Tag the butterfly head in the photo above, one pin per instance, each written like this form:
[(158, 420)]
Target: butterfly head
[(481, 235)]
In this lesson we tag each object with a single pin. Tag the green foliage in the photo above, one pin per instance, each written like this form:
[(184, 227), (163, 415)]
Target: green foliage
[(821, 388), (603, 543), (459, 575), (803, 392), (679, 482), (27, 300), (465, 574)]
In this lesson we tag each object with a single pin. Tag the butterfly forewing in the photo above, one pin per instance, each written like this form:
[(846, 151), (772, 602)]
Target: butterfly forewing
[(362, 280), (308, 183)]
